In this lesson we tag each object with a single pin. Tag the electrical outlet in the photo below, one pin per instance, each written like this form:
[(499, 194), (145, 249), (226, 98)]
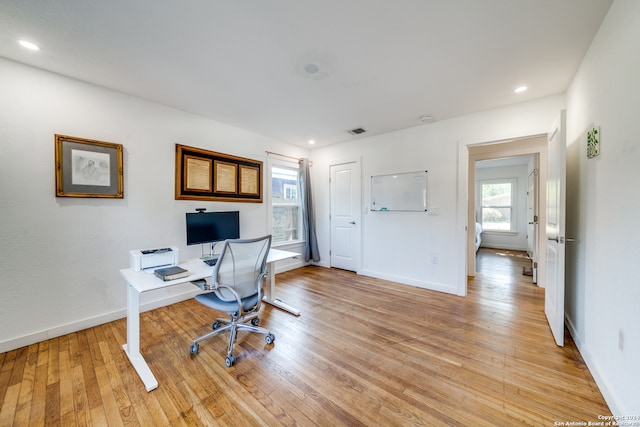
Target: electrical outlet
[(621, 339), (434, 258)]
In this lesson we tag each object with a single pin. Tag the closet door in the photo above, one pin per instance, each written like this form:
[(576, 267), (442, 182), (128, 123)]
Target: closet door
[(345, 216)]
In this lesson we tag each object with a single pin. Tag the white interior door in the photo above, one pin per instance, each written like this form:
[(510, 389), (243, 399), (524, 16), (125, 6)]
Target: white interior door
[(555, 229), (345, 208)]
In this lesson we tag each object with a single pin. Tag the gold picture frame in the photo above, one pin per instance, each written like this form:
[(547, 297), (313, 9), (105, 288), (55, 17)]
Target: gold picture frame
[(211, 176), (88, 168)]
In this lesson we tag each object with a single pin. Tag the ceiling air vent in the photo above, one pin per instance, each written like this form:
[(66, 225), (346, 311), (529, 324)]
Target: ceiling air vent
[(356, 131)]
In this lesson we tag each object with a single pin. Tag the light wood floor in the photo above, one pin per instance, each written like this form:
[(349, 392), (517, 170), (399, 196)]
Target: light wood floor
[(364, 352)]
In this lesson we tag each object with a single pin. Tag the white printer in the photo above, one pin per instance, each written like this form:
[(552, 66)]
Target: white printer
[(141, 259)]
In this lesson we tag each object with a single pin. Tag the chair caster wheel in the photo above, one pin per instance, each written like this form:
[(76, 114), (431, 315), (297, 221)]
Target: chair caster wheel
[(270, 338), (255, 321), (216, 325), (230, 360), (194, 349)]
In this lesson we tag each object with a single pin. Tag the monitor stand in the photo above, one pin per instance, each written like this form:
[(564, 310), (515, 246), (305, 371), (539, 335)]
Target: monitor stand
[(210, 257)]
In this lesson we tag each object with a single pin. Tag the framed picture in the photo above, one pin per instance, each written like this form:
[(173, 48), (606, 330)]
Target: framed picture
[(211, 176), (249, 180), (88, 168), (197, 174), (225, 177)]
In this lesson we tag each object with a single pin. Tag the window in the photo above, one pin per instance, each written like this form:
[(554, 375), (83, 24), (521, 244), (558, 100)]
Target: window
[(497, 198), (285, 203)]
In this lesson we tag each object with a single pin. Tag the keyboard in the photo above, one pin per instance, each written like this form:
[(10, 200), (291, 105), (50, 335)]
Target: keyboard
[(210, 262)]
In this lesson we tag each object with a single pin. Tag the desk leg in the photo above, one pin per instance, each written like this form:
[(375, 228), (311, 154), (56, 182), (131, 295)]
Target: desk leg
[(270, 291), (132, 347)]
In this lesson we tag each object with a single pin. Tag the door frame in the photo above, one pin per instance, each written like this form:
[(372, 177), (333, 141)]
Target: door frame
[(358, 226), (531, 145), (533, 226)]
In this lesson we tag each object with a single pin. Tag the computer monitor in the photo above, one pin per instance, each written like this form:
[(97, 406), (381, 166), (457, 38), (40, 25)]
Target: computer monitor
[(209, 227)]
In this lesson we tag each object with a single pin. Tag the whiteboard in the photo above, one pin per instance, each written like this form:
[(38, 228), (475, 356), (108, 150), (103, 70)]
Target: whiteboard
[(399, 192)]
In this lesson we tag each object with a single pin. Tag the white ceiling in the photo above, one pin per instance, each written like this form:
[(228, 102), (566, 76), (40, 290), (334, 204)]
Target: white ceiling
[(381, 63)]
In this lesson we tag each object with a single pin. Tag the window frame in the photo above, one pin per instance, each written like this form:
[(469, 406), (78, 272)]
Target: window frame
[(513, 206), (284, 164)]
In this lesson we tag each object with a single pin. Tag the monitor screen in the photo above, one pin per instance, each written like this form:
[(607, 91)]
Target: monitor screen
[(206, 227)]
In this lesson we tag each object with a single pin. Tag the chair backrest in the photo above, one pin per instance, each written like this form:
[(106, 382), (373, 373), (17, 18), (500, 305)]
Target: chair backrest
[(242, 265)]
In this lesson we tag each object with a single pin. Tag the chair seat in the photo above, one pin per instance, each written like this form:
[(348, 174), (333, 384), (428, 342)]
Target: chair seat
[(213, 301)]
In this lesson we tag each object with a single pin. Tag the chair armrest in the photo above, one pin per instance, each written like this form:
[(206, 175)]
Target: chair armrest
[(235, 294)]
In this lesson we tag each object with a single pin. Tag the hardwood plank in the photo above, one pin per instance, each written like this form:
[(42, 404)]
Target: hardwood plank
[(80, 402), (25, 400), (113, 378), (52, 405), (18, 363), (91, 359), (109, 404), (6, 366), (363, 352), (53, 364), (39, 397), (9, 404), (99, 416), (66, 379)]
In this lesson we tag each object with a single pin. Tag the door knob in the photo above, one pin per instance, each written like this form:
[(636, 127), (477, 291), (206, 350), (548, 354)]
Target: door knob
[(353, 222), (561, 239)]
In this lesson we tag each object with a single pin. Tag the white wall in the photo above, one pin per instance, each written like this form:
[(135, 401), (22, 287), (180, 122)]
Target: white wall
[(399, 245), (518, 239), (60, 257), (603, 289)]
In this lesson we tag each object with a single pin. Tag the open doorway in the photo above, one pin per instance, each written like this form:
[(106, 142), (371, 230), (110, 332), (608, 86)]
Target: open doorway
[(515, 234), (506, 210)]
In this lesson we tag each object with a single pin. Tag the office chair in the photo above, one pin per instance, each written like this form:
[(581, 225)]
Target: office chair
[(236, 288)]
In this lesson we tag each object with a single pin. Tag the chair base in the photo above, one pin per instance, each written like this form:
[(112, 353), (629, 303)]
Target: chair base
[(233, 325)]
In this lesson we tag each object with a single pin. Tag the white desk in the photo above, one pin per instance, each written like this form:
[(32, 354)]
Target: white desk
[(144, 281), (277, 255)]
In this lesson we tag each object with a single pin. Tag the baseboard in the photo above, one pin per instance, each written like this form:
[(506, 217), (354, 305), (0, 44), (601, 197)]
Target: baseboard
[(408, 281), (503, 247), (89, 322), (57, 331), (594, 368), (322, 263)]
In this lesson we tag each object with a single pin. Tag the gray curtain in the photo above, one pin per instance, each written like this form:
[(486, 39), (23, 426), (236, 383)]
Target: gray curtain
[(308, 219)]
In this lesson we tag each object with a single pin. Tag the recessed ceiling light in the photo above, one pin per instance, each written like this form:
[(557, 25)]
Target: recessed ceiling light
[(311, 141), (28, 45), (520, 89)]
